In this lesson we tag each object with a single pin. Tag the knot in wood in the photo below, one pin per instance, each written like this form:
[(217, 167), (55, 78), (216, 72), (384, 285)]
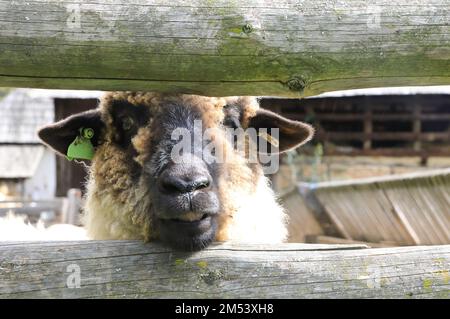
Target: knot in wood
[(247, 28), (296, 83)]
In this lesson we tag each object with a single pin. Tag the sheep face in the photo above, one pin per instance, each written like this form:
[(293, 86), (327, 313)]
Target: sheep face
[(166, 168)]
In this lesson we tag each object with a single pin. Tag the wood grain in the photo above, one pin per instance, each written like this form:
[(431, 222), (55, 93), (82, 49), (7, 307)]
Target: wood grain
[(221, 47), (408, 209), (117, 269)]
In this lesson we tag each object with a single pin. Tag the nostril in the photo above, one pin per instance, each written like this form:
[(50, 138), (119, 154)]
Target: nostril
[(196, 184), (201, 184), (175, 184), (170, 187)]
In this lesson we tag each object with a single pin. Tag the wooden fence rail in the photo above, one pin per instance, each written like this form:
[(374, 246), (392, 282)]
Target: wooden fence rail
[(114, 269), (65, 209), (255, 47)]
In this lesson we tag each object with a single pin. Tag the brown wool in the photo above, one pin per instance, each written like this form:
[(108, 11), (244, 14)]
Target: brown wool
[(118, 208)]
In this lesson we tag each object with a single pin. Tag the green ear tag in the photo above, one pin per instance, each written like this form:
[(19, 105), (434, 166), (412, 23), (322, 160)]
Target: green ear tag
[(81, 147)]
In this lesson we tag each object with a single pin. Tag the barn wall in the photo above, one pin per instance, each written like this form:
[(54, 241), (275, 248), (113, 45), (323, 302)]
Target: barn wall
[(43, 184), (374, 125), (10, 188)]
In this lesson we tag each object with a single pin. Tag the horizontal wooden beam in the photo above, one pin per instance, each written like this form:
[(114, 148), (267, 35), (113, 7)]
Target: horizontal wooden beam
[(321, 239), (414, 176), (437, 151), (256, 47), (112, 269), (337, 117), (386, 136)]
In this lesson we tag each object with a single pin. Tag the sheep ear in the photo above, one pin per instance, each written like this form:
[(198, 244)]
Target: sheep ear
[(291, 134), (61, 134)]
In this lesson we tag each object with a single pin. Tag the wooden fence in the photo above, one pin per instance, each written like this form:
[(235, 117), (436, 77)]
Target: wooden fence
[(118, 269), (256, 47), (286, 48), (64, 210)]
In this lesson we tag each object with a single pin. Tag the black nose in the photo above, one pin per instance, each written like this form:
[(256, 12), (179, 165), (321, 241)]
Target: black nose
[(172, 182)]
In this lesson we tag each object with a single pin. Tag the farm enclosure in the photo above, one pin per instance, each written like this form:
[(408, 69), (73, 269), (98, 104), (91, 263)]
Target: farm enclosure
[(282, 48)]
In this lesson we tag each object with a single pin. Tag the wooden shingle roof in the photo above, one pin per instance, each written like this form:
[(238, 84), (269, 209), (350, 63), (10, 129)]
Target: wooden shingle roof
[(19, 161), (23, 111)]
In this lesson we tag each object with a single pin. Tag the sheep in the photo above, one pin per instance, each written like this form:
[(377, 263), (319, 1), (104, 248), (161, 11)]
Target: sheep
[(135, 189)]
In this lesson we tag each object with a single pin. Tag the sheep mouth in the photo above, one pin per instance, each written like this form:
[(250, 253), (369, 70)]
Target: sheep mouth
[(189, 231), (190, 217), (191, 222)]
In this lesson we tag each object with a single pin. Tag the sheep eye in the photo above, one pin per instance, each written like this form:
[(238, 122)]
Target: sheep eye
[(232, 122), (127, 123)]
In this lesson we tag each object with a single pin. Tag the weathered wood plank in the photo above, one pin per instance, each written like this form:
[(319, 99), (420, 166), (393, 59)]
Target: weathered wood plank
[(221, 47), (320, 239), (409, 209), (114, 269)]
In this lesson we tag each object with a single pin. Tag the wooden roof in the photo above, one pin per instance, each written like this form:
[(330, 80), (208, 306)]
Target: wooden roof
[(19, 161), (23, 111)]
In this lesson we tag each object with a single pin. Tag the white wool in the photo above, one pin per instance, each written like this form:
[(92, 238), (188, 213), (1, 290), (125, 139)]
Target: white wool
[(15, 228), (259, 218), (104, 220)]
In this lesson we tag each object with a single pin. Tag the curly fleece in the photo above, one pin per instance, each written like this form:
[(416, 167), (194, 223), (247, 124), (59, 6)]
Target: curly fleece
[(118, 207)]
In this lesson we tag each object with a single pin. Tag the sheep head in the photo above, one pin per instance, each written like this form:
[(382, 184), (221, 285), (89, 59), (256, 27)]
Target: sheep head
[(173, 168)]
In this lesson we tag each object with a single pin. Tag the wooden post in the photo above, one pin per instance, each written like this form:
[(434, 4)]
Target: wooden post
[(256, 47), (417, 126), (71, 207), (367, 145), (128, 269)]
